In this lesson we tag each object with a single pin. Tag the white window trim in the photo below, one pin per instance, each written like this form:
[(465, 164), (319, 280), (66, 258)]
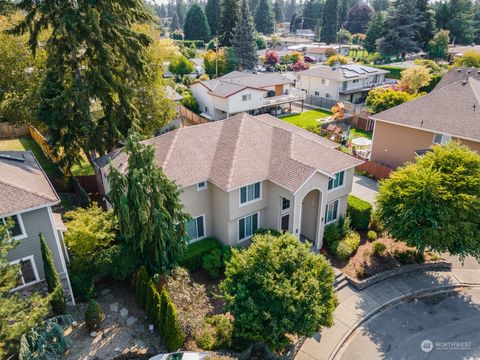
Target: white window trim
[(251, 201), (35, 272), (238, 225), (191, 241), (441, 141), (338, 187), (22, 228), (200, 188), (338, 211), (282, 210), (248, 97)]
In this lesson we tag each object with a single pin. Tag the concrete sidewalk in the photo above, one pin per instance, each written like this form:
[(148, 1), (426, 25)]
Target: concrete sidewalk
[(357, 306)]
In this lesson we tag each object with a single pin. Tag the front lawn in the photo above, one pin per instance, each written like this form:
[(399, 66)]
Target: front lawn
[(307, 119)]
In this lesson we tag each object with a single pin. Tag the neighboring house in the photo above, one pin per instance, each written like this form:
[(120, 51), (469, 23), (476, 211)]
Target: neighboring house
[(246, 172), (26, 198), (305, 33), (457, 51), (450, 111), (350, 82), (176, 98), (318, 51), (238, 92)]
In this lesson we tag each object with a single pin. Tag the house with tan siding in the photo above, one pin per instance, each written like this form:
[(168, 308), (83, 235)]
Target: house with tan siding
[(26, 201), (249, 172), (450, 112)]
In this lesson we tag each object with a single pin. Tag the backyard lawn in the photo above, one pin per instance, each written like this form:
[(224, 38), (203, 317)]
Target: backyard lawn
[(306, 119), (356, 133)]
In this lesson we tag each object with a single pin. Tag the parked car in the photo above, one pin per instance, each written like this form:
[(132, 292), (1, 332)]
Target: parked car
[(181, 355), (310, 59), (260, 68)]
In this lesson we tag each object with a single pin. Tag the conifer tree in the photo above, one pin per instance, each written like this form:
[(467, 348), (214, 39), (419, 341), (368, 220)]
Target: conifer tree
[(461, 24), (181, 11), (212, 11), (175, 23), (426, 23), (264, 19), (228, 19), (290, 9), (375, 31), (330, 20), (243, 40), (196, 24), (279, 11), (312, 11)]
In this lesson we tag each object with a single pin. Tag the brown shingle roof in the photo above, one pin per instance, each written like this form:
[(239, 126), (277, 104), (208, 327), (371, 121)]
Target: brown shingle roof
[(23, 185), (453, 110), (458, 74), (241, 150)]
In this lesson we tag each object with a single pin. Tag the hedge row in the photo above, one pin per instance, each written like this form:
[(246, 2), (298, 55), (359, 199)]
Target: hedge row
[(395, 71), (359, 212), (188, 43), (193, 257), (160, 310)]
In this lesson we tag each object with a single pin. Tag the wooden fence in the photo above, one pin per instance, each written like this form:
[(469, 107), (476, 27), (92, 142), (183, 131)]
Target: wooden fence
[(378, 171), (8, 130), (43, 143), (191, 116)]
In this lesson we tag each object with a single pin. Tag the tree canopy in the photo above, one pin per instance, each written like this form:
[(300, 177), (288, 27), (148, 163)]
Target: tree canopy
[(328, 33), (212, 11), (264, 17), (243, 41), (196, 24), (438, 46), (381, 99), (414, 78), (434, 203), (375, 31), (277, 286), (470, 58), (229, 10), (358, 18)]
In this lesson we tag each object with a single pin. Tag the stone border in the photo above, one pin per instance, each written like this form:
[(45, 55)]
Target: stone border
[(401, 270)]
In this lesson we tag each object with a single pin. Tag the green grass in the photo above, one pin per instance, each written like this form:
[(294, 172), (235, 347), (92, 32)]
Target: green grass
[(306, 119), (356, 133)]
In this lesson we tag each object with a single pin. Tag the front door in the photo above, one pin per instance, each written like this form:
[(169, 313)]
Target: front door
[(284, 223)]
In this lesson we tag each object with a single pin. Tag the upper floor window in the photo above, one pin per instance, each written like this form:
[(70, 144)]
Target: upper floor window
[(196, 228), (16, 229), (285, 204), (441, 138), (247, 97), (355, 81), (324, 81), (337, 181), (250, 193), (317, 93), (202, 185), (28, 271)]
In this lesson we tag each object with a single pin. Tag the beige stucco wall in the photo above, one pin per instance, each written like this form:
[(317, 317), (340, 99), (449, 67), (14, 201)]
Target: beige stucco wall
[(393, 145)]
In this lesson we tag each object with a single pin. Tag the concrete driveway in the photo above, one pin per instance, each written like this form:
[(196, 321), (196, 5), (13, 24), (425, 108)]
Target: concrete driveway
[(445, 326), (365, 188)]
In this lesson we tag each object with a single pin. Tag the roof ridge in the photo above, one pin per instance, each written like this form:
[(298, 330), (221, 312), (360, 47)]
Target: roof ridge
[(235, 147), (170, 149), (44, 196), (473, 83)]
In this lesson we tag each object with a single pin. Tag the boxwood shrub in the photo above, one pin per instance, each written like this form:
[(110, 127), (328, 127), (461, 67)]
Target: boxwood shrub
[(193, 257), (359, 212), (347, 246)]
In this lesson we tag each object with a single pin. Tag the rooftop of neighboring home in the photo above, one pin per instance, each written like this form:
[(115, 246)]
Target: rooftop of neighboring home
[(343, 72), (458, 74), (236, 81), (460, 49), (23, 184), (452, 108), (241, 150)]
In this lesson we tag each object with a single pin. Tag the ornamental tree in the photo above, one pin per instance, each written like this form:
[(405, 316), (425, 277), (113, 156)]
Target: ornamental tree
[(434, 203), (180, 65), (438, 46), (271, 57), (150, 215), (276, 287), (414, 78), (385, 98), (470, 58)]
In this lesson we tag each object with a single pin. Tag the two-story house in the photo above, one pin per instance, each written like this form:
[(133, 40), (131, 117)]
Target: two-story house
[(450, 111), (238, 92), (246, 172), (26, 200), (350, 82)]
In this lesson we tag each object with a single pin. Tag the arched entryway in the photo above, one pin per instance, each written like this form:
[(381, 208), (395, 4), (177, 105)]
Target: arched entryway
[(309, 225)]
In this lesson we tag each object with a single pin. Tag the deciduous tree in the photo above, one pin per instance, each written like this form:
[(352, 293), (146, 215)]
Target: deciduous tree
[(383, 99), (438, 46), (434, 203), (358, 18), (470, 58), (414, 78)]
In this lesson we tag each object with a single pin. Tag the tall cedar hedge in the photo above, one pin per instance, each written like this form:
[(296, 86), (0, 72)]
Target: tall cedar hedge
[(141, 286), (359, 212), (55, 289), (173, 333)]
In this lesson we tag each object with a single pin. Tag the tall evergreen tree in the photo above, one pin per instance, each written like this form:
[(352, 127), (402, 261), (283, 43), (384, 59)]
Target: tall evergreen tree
[(212, 11), (150, 215), (442, 15), (253, 6), (290, 9), (264, 20), (175, 23), (426, 23), (94, 56), (181, 10), (358, 18), (380, 5), (243, 40), (196, 24), (330, 20), (279, 8), (344, 7), (402, 29), (375, 31), (228, 19), (312, 12), (461, 24)]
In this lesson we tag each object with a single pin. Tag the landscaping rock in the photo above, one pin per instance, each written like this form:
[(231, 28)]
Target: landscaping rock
[(124, 312), (93, 334), (113, 307), (131, 320)]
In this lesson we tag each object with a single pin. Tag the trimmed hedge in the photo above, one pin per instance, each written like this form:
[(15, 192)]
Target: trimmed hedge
[(395, 71), (193, 257), (188, 43), (94, 315), (359, 212)]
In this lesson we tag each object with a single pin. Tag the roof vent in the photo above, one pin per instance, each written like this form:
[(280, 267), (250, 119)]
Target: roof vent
[(11, 157), (459, 70), (464, 82), (469, 71)]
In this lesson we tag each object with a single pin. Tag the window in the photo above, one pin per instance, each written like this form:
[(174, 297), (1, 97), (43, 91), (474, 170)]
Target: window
[(355, 81), (196, 228), (327, 95), (17, 230), (250, 193), (285, 204), (247, 97), (317, 93), (202, 185), (324, 81), (247, 226), (331, 211), (28, 271), (337, 181), (441, 138), (206, 109)]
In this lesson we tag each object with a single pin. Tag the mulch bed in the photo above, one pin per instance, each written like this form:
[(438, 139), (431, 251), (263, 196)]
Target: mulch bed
[(201, 276)]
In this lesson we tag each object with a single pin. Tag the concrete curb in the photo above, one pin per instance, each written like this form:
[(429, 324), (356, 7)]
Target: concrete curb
[(347, 338)]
